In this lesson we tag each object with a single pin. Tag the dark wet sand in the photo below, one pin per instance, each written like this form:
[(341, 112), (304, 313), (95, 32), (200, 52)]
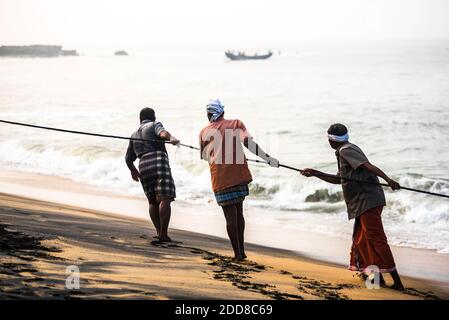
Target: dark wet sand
[(39, 240)]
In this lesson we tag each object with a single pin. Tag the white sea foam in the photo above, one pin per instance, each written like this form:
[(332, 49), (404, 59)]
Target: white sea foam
[(410, 219)]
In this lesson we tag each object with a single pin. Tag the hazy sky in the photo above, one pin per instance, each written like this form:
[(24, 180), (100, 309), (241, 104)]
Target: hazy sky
[(131, 22)]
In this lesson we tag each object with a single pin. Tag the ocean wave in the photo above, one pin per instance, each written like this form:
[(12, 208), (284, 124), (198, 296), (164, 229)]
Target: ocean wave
[(418, 181), (259, 190), (415, 220)]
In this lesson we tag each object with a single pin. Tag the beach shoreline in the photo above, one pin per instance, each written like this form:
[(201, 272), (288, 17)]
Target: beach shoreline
[(116, 260), (208, 219)]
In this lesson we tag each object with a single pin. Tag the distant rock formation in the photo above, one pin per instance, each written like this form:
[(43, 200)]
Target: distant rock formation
[(121, 53), (35, 51)]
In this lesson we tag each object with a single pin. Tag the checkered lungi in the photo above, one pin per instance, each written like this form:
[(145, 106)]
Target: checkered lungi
[(155, 176), (232, 195)]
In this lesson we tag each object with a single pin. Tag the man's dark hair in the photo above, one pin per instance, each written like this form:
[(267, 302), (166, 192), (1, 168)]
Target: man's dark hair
[(337, 129), (147, 114)]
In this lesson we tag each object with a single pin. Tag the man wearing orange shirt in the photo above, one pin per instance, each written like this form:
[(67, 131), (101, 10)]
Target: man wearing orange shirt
[(221, 145)]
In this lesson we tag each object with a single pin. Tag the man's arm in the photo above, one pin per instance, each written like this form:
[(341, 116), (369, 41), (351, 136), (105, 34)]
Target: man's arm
[(308, 172), (203, 155), (165, 135), (130, 158), (134, 172), (375, 170), (254, 148), (357, 159)]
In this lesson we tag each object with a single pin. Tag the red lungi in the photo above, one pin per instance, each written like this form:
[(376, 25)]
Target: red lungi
[(369, 243)]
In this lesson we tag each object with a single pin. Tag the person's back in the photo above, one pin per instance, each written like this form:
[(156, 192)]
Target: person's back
[(221, 145), (149, 130), (358, 197), (227, 161), (154, 169)]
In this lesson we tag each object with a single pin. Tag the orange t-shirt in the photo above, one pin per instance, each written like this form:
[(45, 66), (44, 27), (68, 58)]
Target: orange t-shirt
[(221, 145)]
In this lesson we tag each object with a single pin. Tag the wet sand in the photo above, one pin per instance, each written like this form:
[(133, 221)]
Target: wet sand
[(116, 259), (208, 219)]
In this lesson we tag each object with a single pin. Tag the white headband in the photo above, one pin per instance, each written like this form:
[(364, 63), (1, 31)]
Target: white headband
[(342, 138)]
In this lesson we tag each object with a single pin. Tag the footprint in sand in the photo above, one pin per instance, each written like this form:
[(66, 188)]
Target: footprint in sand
[(160, 244), (429, 295), (91, 234), (285, 272), (34, 279), (117, 239), (146, 237), (320, 288), (39, 217), (239, 274)]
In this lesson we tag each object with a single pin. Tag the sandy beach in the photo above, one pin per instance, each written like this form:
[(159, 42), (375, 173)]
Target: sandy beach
[(105, 102), (40, 239)]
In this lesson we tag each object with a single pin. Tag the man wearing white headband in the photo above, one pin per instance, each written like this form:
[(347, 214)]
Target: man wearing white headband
[(221, 145), (335, 138), (364, 202)]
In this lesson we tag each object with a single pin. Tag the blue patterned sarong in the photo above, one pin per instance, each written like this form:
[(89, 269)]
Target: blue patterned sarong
[(232, 195)]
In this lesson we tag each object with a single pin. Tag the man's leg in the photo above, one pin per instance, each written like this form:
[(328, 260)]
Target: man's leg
[(397, 285), (164, 218), (381, 279), (376, 235), (230, 213), (241, 228), (154, 215)]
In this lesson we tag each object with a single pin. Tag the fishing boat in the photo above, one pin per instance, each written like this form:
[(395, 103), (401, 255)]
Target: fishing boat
[(243, 56), (121, 53)]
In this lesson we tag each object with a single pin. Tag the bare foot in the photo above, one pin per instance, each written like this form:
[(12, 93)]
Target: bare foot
[(397, 286), (165, 239)]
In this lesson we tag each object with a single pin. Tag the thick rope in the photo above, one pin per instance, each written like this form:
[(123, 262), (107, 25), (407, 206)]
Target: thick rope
[(196, 148)]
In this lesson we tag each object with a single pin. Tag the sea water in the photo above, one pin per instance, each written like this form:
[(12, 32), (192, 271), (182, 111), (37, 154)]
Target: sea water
[(393, 96)]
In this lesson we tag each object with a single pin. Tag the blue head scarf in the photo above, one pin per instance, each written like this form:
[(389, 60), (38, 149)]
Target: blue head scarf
[(215, 108)]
